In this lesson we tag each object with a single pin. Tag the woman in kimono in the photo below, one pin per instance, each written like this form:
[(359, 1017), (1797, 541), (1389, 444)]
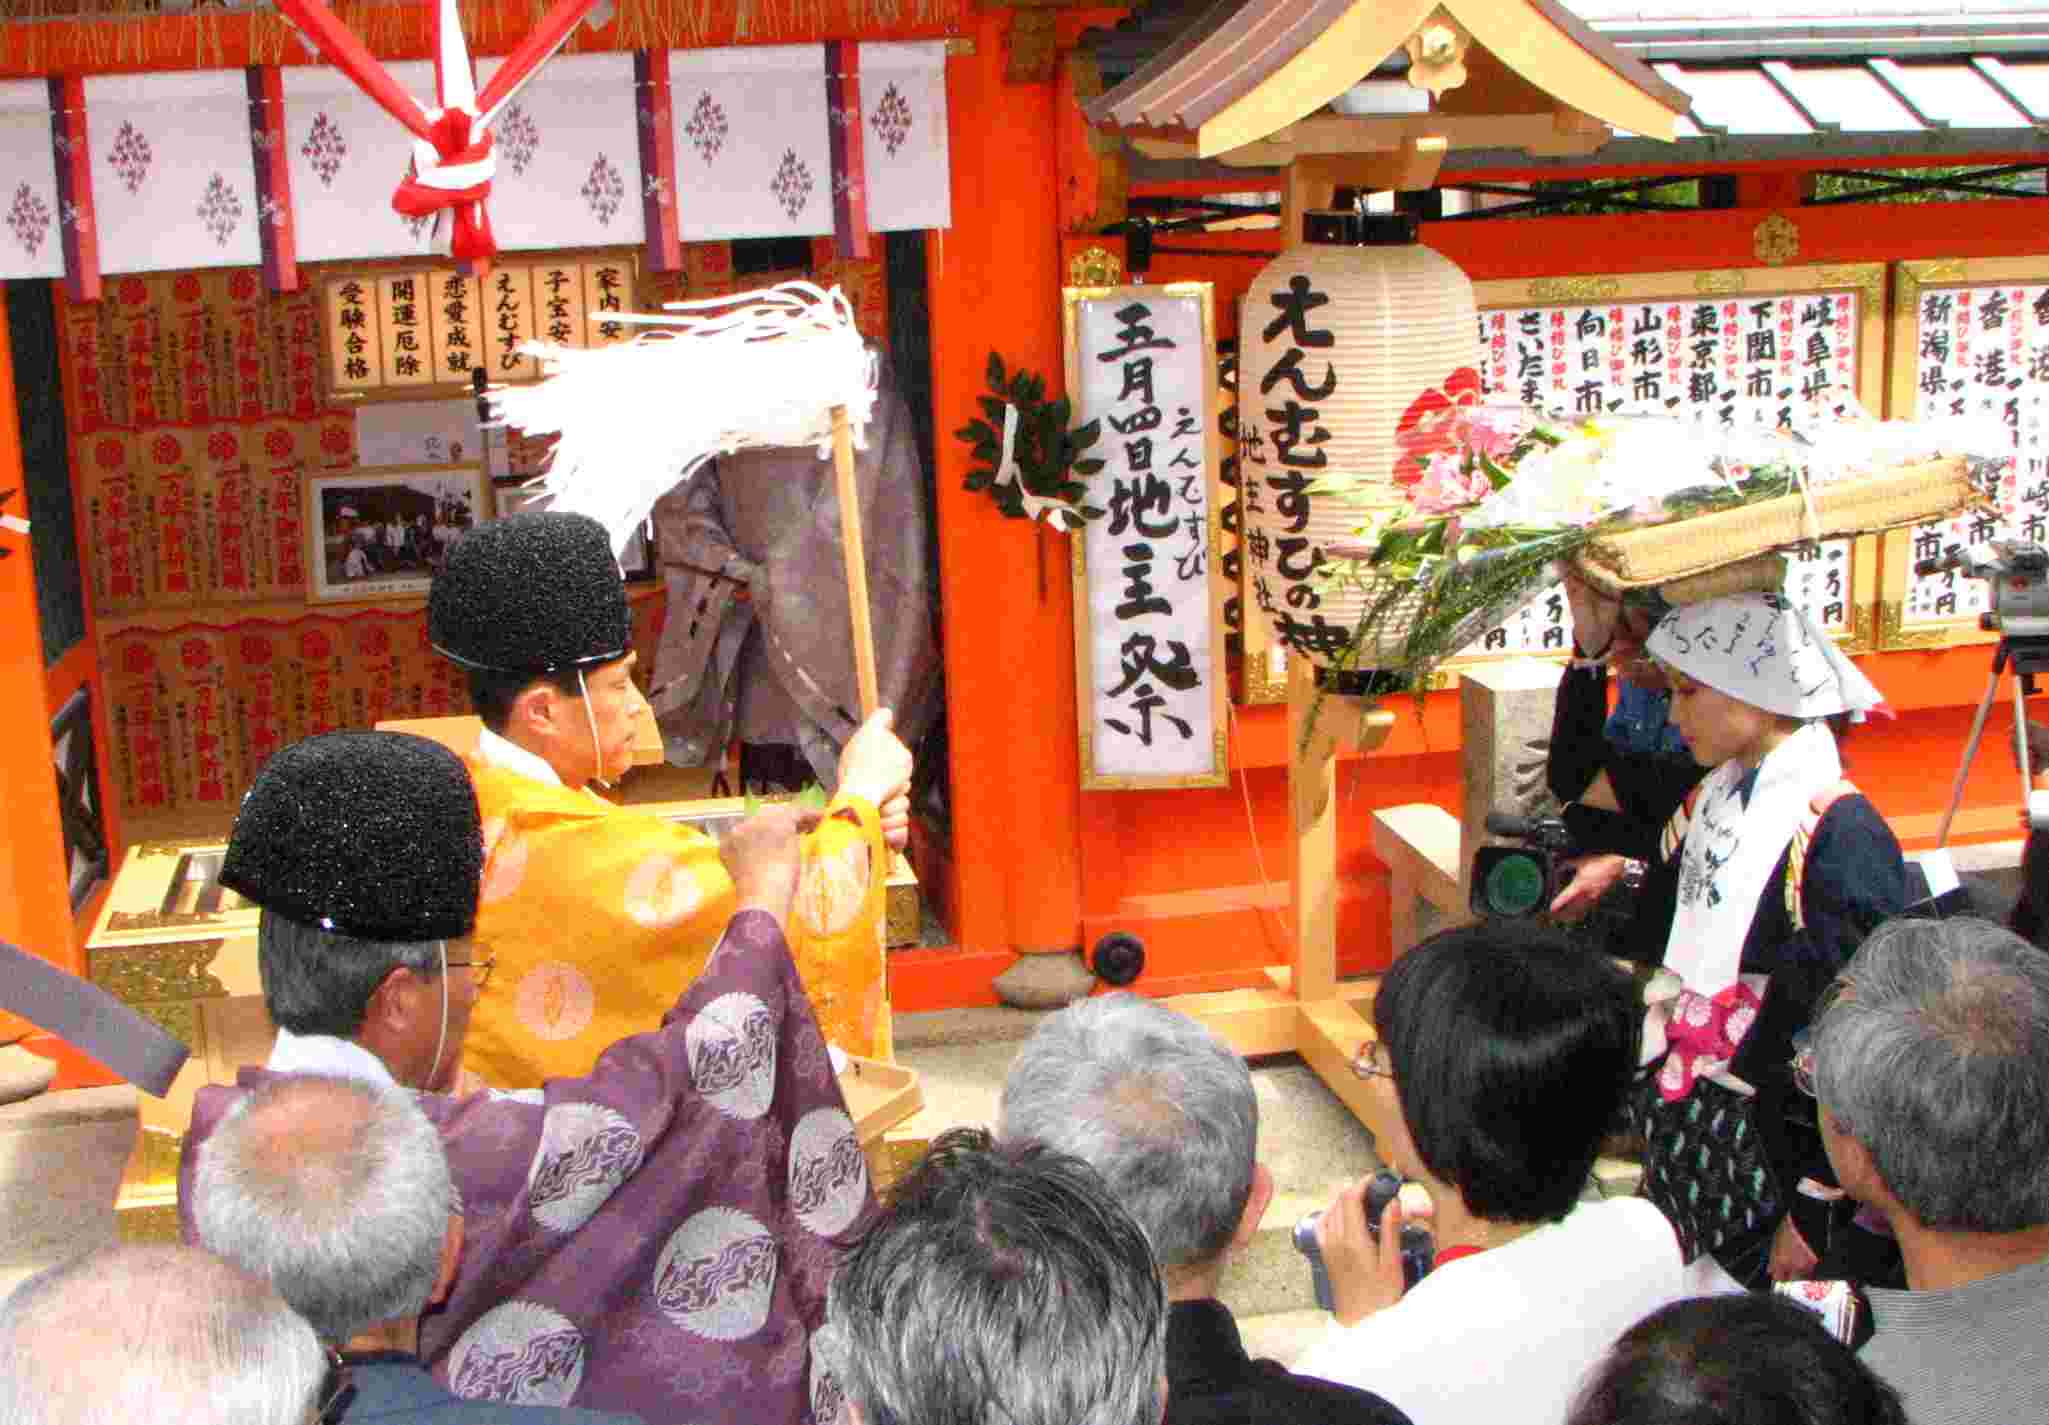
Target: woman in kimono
[(1783, 868)]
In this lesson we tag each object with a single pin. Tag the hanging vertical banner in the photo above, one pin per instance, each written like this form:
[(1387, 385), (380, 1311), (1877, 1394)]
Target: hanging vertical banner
[(1970, 341), (32, 236), (903, 141), (341, 154), (1149, 625), (753, 158), (568, 150), (171, 173)]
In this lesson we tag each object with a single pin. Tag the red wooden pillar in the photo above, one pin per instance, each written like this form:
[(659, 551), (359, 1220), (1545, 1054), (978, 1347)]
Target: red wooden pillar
[(1009, 644), (35, 899)]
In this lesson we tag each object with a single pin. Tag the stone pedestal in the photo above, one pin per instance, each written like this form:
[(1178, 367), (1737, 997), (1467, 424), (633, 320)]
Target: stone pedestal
[(61, 1159), (1505, 712)]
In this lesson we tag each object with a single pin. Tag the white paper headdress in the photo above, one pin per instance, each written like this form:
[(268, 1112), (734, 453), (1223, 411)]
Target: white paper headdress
[(1760, 649)]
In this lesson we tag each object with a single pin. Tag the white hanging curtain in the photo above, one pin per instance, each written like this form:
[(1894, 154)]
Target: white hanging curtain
[(174, 183)]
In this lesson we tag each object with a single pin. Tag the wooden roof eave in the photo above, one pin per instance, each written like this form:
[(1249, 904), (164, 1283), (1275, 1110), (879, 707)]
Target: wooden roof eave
[(1536, 39), (1564, 133), (1248, 68), (1229, 48)]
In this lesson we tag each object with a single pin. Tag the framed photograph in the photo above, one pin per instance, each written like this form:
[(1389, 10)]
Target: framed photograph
[(384, 533), (638, 563)]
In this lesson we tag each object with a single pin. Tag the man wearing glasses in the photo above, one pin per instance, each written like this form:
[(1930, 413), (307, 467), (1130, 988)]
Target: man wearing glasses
[(654, 1237), (337, 1192)]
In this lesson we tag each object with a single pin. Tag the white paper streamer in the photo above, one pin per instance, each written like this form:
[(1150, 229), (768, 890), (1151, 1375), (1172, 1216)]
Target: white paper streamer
[(1036, 507), (710, 377)]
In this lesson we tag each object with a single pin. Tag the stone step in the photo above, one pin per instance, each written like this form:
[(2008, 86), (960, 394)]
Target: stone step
[(1310, 1141)]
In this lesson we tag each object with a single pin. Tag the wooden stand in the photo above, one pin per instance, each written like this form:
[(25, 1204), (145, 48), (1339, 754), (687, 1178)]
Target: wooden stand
[(1305, 1012)]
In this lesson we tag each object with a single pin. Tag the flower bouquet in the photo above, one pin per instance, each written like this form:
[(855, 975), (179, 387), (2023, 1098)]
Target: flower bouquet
[(1480, 524)]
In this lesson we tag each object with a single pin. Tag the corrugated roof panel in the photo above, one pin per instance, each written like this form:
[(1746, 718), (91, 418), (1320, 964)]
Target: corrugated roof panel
[(1848, 97), (1958, 93), (1738, 101), (2030, 82)]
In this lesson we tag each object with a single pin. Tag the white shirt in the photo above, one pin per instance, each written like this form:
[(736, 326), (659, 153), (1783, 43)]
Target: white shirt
[(1508, 1335), (506, 756), (325, 1054)]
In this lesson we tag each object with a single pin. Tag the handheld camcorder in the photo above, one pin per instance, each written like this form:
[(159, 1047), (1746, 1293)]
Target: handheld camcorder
[(2019, 577), (1520, 880), (1419, 1249)]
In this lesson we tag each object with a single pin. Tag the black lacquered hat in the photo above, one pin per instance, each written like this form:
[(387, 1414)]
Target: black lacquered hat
[(537, 592), (374, 835)]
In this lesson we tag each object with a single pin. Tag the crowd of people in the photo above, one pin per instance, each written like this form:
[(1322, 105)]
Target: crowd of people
[(1844, 1109)]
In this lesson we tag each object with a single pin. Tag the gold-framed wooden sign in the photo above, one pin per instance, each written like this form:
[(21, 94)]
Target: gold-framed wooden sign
[(412, 333), (1970, 338), (1149, 617), (1762, 345)]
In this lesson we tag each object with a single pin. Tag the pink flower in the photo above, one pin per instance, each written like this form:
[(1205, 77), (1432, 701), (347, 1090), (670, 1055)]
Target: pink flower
[(1493, 430), (1672, 1077), (1740, 1020), (1446, 486)]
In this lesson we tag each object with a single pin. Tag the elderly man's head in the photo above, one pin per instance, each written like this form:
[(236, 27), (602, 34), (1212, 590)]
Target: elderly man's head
[(338, 1193), (170, 1335), (1932, 1066), (1001, 1286), (1162, 1110)]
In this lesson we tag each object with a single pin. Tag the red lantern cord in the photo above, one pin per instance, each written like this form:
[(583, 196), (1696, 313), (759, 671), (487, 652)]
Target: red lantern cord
[(453, 162)]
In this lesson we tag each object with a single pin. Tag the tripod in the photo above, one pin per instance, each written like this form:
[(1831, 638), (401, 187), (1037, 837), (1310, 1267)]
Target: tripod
[(2028, 655)]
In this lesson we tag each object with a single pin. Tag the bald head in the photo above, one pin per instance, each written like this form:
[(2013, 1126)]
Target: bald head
[(335, 1191), (167, 1334)]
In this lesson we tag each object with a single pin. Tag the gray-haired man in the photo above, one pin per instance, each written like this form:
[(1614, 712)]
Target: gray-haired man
[(337, 1192), (1164, 1112), (1001, 1286), (165, 1334), (1932, 1069)]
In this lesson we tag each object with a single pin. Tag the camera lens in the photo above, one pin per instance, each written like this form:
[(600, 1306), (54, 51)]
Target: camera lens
[(1514, 885)]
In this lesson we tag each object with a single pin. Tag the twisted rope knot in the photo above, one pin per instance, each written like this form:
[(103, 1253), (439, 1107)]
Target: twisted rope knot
[(453, 174)]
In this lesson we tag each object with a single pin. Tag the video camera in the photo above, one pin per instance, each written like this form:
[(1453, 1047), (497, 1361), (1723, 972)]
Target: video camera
[(2019, 577), (1419, 1248), (1520, 880)]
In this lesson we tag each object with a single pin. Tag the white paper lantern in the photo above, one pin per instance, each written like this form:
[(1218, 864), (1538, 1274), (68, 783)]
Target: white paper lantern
[(1352, 360)]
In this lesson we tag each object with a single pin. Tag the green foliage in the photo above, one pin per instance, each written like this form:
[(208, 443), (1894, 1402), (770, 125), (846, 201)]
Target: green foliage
[(1052, 460), (811, 797), (1855, 187)]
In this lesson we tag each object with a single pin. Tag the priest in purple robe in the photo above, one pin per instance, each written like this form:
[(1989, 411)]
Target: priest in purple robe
[(655, 1237)]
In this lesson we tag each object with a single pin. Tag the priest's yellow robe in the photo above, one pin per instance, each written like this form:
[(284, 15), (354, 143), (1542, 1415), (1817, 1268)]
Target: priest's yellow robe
[(599, 916)]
